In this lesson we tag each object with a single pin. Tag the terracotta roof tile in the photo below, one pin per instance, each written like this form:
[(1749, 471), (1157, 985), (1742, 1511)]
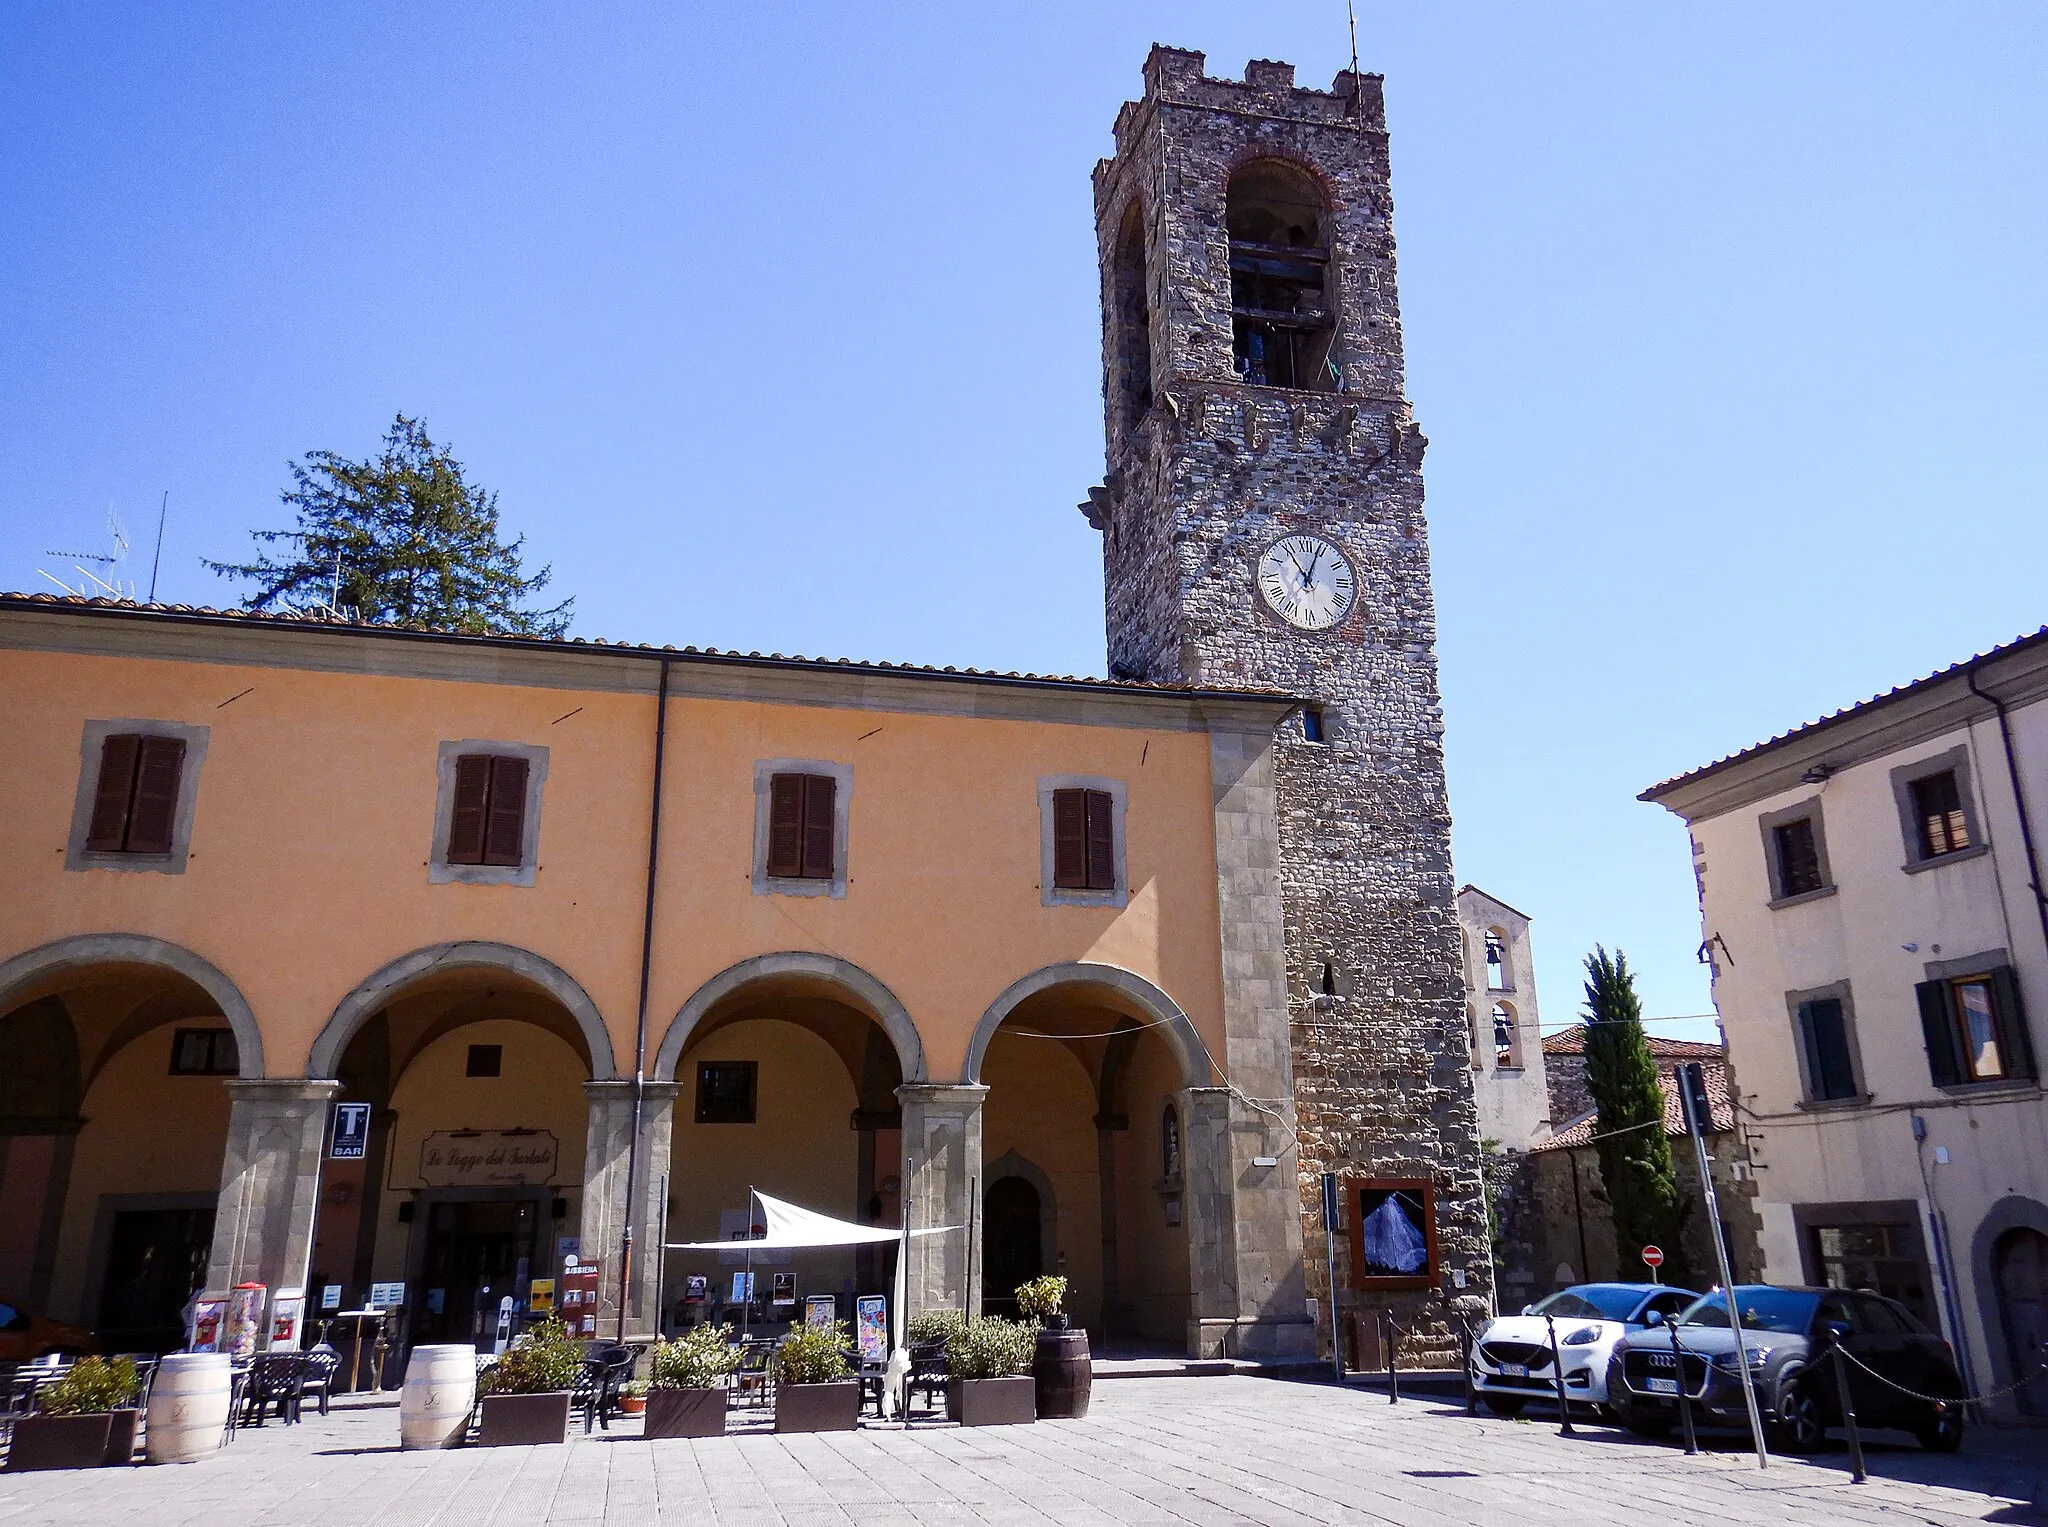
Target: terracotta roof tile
[(1722, 1108), (1572, 1041)]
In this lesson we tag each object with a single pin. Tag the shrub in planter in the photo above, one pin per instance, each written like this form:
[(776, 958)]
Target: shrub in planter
[(633, 1398), (84, 1419), (525, 1395), (930, 1328), (1044, 1300), (687, 1377), (815, 1390), (988, 1367)]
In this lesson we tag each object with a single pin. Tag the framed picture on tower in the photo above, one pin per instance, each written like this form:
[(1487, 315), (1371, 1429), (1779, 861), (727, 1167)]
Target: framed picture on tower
[(1393, 1232)]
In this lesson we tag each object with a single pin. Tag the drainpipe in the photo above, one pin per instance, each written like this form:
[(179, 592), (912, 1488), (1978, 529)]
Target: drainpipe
[(2019, 798), (640, 1021)]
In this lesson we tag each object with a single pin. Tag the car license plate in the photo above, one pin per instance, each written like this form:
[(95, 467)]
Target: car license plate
[(1515, 1370), (1661, 1386)]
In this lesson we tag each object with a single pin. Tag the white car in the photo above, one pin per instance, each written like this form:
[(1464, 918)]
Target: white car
[(1511, 1357)]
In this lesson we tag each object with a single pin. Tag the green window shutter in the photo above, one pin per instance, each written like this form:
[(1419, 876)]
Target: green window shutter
[(2014, 1043), (1829, 1073), (1938, 1029)]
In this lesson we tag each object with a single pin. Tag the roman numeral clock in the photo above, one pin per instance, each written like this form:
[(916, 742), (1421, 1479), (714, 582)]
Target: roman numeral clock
[(1307, 582)]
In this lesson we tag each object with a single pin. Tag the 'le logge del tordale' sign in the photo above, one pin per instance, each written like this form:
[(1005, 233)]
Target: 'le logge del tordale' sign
[(487, 1158)]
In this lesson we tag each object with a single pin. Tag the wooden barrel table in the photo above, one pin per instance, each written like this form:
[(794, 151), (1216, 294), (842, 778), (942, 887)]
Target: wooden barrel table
[(188, 1406), (1063, 1375), (440, 1391)]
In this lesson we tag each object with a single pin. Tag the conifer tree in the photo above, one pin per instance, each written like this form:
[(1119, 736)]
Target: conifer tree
[(402, 539), (1650, 1208)]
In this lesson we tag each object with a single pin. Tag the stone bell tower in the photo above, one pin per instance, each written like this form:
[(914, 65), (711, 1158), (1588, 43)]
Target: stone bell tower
[(1262, 525)]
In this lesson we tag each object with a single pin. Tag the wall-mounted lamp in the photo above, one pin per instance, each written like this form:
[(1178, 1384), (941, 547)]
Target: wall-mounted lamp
[(1819, 774)]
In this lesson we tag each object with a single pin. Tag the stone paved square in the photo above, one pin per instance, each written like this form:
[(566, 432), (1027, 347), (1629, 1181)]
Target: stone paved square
[(1214, 1451)]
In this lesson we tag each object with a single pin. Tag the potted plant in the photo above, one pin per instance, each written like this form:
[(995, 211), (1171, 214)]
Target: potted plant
[(815, 1390), (687, 1397), (988, 1372), (1061, 1367), (633, 1398), (525, 1394), (82, 1420)]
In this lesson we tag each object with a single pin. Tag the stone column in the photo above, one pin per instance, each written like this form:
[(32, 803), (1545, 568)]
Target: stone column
[(1245, 1294), (941, 1186), (607, 1155), (269, 1183)]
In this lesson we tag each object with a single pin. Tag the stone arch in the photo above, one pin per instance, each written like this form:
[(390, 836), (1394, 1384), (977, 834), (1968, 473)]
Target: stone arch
[(866, 993), (358, 1006), (88, 949), (1160, 1012), (2013, 1212)]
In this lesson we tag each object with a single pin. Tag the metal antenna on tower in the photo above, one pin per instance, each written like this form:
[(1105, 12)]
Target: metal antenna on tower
[(1357, 84), (157, 561)]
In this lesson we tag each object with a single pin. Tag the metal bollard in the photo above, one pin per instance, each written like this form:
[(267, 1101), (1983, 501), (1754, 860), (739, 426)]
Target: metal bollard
[(1856, 1472), (1465, 1351), (1564, 1406), (1692, 1444), (1393, 1358)]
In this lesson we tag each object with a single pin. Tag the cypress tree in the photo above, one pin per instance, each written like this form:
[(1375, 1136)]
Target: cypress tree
[(401, 539), (1650, 1208)]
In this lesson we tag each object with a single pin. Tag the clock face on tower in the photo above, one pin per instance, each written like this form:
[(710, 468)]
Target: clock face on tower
[(1307, 583)]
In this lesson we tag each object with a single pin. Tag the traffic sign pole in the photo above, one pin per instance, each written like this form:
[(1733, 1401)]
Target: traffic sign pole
[(1653, 1258)]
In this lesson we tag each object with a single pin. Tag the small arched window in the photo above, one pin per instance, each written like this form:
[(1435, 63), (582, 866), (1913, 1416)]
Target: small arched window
[(1281, 295), (1507, 1047), (1497, 961), (1169, 1143), (1132, 333)]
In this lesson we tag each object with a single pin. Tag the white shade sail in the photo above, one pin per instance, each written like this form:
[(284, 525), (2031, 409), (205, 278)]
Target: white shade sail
[(791, 1228)]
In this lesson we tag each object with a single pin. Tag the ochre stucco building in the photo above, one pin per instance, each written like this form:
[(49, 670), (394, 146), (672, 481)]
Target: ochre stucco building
[(1107, 971)]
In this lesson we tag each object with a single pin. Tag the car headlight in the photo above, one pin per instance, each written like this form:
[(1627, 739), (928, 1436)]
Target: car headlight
[(1584, 1336), (1758, 1356)]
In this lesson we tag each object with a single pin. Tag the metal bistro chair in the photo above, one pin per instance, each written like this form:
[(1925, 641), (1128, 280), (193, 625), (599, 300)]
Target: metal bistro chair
[(927, 1376)]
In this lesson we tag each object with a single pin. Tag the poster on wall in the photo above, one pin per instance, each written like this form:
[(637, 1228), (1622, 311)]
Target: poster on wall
[(871, 1325), (784, 1287), (821, 1310), (540, 1297), (579, 1296), (1393, 1233), (742, 1288), (245, 1319), (386, 1296), (696, 1288), (287, 1310)]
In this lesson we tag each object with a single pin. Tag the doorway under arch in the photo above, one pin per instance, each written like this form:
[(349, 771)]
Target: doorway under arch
[(1012, 1241), (2020, 1265)]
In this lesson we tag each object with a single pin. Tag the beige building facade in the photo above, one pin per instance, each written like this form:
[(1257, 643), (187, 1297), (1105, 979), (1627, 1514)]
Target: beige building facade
[(1871, 899)]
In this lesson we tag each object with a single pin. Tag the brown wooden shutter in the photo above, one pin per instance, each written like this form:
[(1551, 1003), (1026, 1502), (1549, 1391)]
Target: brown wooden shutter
[(505, 813), (821, 793), (786, 825), (108, 833), (466, 819), (1101, 842), (1938, 1030), (155, 815), (1070, 840)]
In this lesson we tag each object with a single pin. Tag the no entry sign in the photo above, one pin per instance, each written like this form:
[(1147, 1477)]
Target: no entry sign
[(1653, 1256)]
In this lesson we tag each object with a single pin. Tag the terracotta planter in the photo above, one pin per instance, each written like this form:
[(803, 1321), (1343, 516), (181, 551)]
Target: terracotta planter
[(685, 1413), (523, 1420), (992, 1402), (1062, 1374), (62, 1442), (833, 1407)]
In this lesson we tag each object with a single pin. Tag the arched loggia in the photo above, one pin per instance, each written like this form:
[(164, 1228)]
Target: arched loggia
[(797, 968), (1117, 989), (67, 956), (360, 1005)]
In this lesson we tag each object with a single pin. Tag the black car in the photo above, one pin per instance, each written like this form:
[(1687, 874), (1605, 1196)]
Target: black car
[(1903, 1375)]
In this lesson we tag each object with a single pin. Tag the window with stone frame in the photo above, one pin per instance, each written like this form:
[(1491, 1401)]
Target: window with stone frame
[(1798, 856), (1975, 1028), (1938, 814), (1830, 1063)]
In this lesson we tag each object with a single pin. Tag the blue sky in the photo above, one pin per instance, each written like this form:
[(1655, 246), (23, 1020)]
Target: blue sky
[(1726, 323)]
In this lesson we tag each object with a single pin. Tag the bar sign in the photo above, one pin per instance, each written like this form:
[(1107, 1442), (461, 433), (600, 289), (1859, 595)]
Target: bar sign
[(351, 1131)]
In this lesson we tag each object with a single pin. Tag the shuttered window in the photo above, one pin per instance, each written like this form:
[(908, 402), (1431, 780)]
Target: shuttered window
[(135, 805), (1083, 840), (1975, 1029), (1938, 814), (1824, 1037), (1798, 858), (487, 818), (802, 826)]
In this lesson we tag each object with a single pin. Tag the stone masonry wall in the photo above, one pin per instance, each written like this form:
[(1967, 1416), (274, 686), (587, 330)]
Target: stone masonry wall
[(1198, 486)]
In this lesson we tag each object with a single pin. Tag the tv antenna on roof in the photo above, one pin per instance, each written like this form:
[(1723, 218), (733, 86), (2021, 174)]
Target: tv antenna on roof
[(92, 585), (1357, 84)]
